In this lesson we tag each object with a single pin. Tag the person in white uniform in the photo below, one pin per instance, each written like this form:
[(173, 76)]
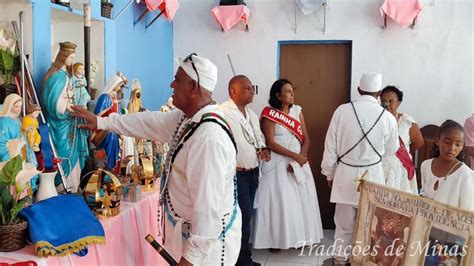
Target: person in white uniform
[(359, 134), (446, 178), (251, 148), (202, 217)]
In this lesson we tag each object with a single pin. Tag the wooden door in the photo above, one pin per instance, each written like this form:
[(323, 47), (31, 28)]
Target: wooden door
[(321, 74)]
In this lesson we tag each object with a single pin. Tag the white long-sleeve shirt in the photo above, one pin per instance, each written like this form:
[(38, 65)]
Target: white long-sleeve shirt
[(343, 132), (201, 183), (247, 133), (455, 190)]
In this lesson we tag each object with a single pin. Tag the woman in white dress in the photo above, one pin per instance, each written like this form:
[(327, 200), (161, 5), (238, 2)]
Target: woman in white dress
[(446, 178), (287, 209), (396, 175)]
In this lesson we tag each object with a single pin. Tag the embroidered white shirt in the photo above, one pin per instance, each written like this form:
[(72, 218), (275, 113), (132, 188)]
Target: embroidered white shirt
[(201, 183), (247, 133)]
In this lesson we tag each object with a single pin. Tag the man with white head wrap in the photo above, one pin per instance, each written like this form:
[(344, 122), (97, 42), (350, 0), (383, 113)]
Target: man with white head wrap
[(359, 134), (202, 218)]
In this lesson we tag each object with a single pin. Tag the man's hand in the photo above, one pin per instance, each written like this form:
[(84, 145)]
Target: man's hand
[(89, 117), (264, 154), (330, 183), (184, 262)]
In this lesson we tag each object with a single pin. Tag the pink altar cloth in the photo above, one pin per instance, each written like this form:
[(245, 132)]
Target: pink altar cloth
[(125, 242), (402, 11), (168, 6), (228, 16)]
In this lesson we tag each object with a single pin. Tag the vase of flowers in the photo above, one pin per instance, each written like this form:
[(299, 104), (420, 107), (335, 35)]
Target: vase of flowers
[(9, 61), (15, 176)]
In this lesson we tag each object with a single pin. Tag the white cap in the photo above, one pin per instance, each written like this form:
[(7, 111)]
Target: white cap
[(206, 69), (371, 82)]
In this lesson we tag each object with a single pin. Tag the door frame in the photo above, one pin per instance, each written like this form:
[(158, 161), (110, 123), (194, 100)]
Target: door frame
[(348, 99), (286, 42)]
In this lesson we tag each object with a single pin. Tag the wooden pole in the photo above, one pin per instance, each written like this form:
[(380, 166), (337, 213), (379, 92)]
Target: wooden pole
[(87, 44), (22, 53)]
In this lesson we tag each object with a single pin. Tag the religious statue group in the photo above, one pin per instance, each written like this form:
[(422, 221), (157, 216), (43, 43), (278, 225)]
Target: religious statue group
[(63, 147)]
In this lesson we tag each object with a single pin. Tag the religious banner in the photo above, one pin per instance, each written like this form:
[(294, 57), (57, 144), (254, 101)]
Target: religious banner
[(398, 228)]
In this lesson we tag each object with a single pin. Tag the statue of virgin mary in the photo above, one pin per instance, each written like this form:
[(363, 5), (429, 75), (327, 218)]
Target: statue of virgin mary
[(10, 130), (107, 104), (58, 97)]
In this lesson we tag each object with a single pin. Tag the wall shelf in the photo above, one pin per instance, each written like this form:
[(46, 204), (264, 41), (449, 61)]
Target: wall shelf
[(79, 12)]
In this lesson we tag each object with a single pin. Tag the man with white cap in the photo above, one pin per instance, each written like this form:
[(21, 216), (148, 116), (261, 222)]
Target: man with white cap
[(199, 197), (359, 134)]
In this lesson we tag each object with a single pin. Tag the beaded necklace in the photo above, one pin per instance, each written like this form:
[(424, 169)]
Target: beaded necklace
[(451, 170), (172, 148), (167, 208), (177, 137)]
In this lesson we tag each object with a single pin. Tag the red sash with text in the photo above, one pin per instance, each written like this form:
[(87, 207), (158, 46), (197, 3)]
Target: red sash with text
[(285, 120), (404, 157)]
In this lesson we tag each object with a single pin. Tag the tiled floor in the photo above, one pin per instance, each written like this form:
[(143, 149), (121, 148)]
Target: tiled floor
[(293, 257)]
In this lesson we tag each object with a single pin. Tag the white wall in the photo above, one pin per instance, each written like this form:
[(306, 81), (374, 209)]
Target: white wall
[(432, 64), (67, 26), (9, 12)]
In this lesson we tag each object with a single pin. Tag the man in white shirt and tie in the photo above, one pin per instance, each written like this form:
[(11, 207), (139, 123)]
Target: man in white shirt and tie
[(202, 217), (250, 141), (359, 134)]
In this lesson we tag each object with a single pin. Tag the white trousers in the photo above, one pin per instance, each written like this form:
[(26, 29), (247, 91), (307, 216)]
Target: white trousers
[(344, 218)]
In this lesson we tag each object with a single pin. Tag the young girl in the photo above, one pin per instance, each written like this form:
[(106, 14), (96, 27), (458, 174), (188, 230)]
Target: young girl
[(446, 178)]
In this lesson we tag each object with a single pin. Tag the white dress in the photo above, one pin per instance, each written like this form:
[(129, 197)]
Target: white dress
[(287, 212), (74, 178), (396, 176), (455, 190)]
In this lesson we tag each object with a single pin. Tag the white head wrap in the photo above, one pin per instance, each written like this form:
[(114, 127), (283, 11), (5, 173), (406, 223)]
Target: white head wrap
[(10, 100), (206, 69), (371, 82), (114, 81)]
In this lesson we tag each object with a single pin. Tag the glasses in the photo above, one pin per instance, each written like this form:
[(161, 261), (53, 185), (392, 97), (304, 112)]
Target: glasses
[(190, 59)]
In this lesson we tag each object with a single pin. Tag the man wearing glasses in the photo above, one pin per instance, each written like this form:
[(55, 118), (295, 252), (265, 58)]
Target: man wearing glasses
[(250, 141), (198, 194)]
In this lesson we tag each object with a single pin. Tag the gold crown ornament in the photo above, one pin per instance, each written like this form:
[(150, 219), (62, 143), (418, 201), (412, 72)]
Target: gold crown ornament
[(139, 170), (67, 46), (103, 192)]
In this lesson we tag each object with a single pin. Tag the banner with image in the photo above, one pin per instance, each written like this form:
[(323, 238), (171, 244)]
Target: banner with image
[(397, 228)]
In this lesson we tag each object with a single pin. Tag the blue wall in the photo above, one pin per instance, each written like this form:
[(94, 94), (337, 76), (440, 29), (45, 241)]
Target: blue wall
[(138, 53), (145, 54), (41, 40)]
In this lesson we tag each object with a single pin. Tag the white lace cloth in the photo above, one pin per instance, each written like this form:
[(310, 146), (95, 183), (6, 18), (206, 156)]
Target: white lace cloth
[(396, 175)]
